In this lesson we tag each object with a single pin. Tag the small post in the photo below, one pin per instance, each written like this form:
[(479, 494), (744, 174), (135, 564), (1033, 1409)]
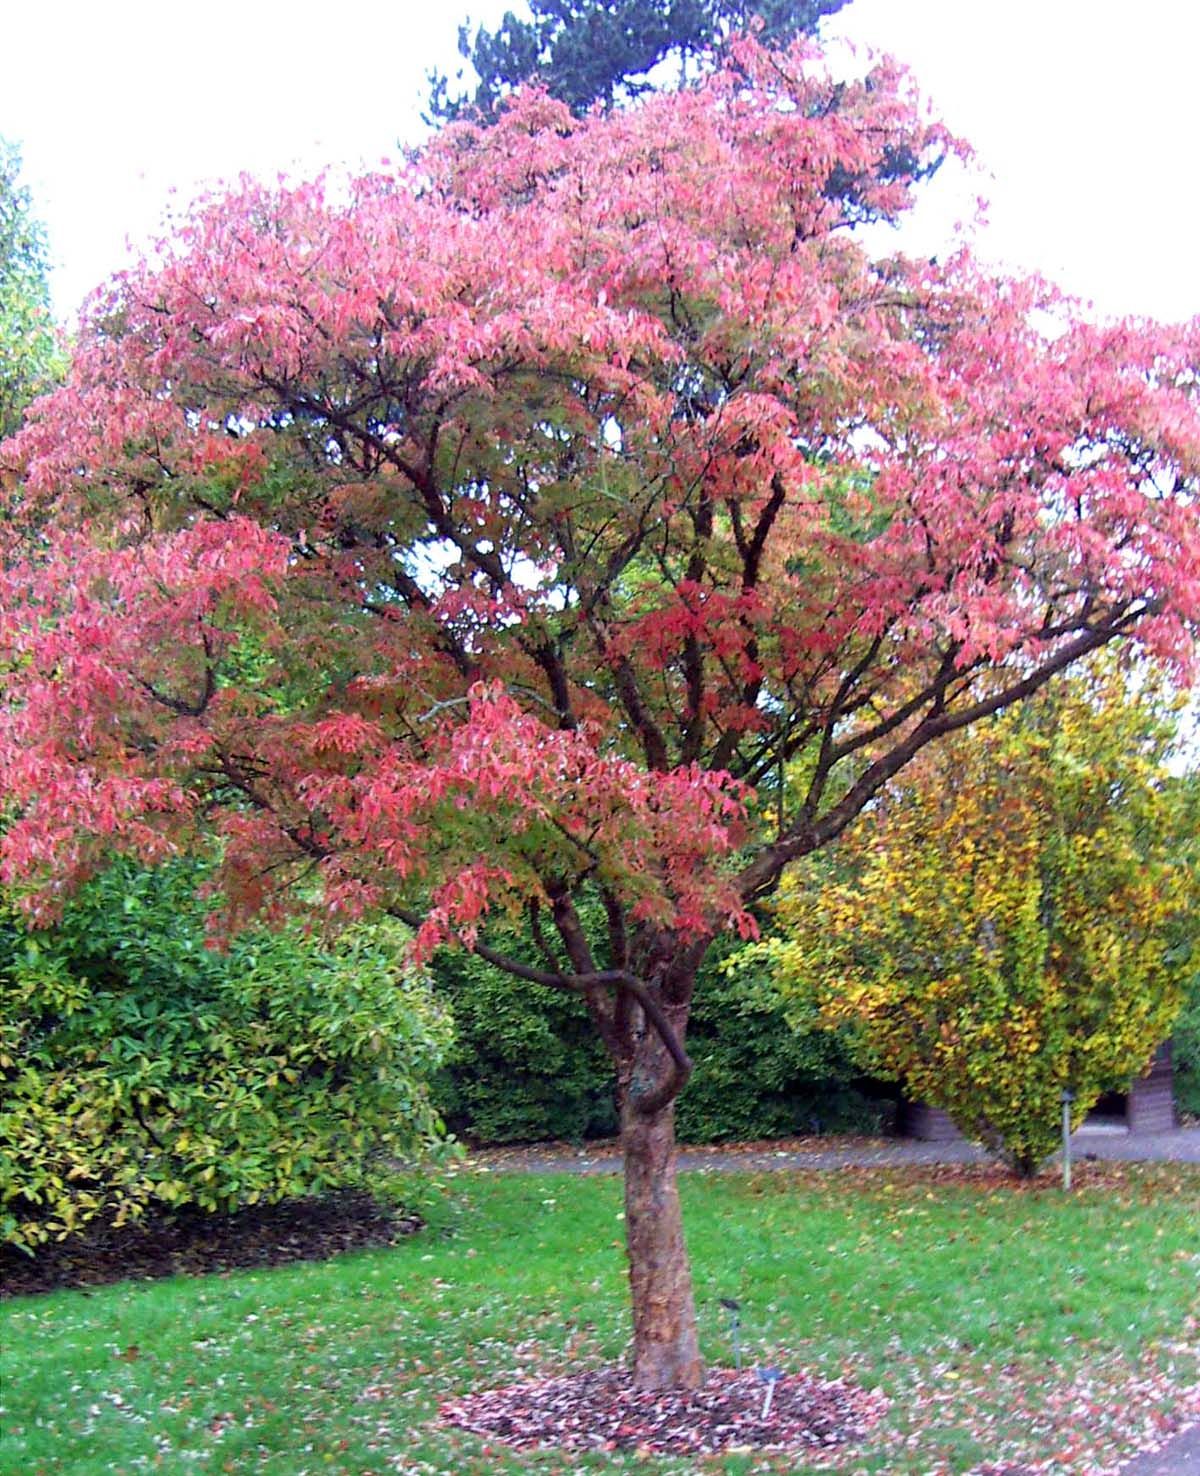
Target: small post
[(1068, 1096), (733, 1307)]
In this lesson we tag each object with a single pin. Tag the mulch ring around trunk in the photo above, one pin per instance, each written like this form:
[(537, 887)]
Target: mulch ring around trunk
[(601, 1410), (191, 1242)]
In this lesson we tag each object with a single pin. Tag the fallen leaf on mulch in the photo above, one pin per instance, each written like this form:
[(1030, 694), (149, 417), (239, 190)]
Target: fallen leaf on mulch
[(601, 1410)]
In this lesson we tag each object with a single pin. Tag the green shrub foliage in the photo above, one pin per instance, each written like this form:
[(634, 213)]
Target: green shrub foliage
[(140, 1068), (526, 1064)]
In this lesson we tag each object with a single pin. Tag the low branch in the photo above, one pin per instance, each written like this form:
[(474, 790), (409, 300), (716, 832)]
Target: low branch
[(581, 983), (539, 937), (137, 1112), (618, 940)]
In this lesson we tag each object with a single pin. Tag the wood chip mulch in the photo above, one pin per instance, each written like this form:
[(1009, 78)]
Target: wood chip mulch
[(600, 1410), (197, 1244)]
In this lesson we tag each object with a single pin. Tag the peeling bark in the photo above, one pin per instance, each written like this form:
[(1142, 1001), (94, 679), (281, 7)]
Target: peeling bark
[(665, 1347), (666, 1352)]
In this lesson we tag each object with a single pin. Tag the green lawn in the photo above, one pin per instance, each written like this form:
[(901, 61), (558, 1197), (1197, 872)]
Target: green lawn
[(1004, 1324)]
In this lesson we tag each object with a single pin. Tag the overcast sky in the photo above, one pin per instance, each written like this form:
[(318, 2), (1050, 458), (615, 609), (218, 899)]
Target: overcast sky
[(1082, 114)]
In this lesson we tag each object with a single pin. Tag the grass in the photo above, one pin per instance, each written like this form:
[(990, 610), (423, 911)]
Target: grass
[(1004, 1324)]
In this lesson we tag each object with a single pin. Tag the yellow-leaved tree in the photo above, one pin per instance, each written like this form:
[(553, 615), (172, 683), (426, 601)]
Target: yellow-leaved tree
[(1015, 918)]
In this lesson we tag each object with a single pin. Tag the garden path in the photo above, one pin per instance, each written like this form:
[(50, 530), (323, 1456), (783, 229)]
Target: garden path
[(1182, 1145)]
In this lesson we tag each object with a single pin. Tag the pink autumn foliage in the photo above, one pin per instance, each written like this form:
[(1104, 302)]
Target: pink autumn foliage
[(451, 536)]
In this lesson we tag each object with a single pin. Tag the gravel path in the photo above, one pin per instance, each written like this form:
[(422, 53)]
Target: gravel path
[(1180, 1146)]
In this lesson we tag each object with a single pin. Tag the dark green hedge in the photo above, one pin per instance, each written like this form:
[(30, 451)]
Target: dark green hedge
[(526, 1064)]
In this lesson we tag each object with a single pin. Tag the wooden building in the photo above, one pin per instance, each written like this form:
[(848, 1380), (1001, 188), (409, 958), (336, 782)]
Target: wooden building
[(1148, 1106)]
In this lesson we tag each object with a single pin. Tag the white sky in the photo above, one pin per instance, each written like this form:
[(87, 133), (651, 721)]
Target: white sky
[(1082, 113)]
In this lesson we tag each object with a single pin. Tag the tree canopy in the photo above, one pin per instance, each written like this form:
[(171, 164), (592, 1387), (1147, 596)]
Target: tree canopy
[(596, 51), (463, 539)]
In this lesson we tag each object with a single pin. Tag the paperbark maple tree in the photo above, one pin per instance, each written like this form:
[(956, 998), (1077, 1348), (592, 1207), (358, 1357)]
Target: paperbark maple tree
[(482, 533)]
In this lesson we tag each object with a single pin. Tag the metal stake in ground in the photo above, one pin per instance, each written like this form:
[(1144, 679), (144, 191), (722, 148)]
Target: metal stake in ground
[(733, 1307), (770, 1377), (1068, 1096)]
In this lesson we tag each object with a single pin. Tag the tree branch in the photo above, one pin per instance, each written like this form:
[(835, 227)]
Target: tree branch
[(760, 876), (582, 983)]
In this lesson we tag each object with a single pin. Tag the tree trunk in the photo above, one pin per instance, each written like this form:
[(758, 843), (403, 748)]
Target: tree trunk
[(1025, 1165), (666, 1353)]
